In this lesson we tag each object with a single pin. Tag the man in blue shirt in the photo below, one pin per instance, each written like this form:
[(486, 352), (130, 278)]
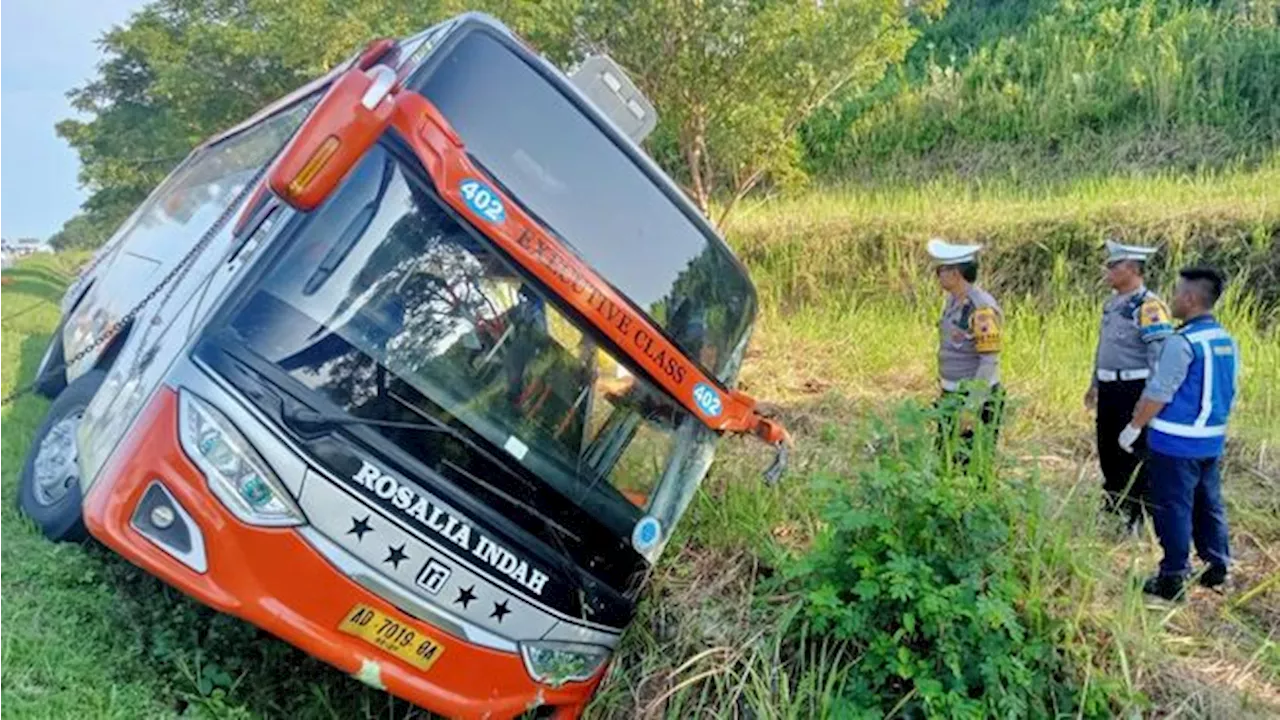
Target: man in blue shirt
[(1184, 407)]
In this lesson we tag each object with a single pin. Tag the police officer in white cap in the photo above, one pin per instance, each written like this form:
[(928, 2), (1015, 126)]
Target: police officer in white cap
[(969, 343), (1135, 322)]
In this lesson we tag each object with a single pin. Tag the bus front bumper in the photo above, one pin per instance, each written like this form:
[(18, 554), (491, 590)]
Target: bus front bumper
[(272, 578)]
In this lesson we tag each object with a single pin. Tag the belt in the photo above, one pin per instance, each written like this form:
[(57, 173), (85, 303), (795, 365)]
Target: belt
[(954, 385), (1113, 375)]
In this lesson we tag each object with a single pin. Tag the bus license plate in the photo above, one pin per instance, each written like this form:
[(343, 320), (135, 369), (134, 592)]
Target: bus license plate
[(405, 641)]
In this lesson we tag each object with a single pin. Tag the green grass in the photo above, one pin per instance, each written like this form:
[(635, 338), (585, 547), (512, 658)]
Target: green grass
[(1047, 89), (85, 634), (59, 650), (1036, 128), (846, 335), (1041, 240)]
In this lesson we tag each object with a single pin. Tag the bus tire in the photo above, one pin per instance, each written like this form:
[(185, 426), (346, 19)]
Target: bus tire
[(49, 487)]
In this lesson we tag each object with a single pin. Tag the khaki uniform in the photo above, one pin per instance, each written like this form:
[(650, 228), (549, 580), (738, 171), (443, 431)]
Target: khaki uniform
[(1134, 326), (970, 336), (969, 339)]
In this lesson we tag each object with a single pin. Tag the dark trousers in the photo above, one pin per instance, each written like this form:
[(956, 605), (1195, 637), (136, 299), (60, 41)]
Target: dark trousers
[(1186, 505), (1124, 475), (962, 441)]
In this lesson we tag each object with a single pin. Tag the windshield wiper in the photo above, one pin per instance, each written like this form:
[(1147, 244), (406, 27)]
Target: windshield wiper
[(311, 421), (351, 234), (568, 564)]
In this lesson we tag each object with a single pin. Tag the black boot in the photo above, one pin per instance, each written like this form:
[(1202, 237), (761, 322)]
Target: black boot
[(1169, 587), (1214, 576)]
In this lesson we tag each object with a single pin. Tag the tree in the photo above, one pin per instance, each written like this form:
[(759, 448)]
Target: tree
[(81, 232), (732, 79), (180, 71)]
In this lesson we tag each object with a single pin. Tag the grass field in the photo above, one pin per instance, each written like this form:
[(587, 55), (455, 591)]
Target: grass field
[(1046, 89), (845, 349)]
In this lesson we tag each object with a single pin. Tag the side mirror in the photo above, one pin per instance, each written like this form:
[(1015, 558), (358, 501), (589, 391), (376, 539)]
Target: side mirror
[(373, 52), (346, 122)]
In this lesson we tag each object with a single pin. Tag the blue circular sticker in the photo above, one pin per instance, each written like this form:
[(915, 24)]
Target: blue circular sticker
[(646, 533), (707, 399), (482, 200)]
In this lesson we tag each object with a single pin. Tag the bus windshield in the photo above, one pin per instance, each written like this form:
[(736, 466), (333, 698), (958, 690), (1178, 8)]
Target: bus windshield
[(554, 160), (386, 304)]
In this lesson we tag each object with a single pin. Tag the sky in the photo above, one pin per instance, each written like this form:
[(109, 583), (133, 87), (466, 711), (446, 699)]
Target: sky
[(47, 47)]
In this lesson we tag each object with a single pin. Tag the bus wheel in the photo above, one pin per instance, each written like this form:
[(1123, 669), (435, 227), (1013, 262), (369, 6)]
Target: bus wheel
[(49, 489)]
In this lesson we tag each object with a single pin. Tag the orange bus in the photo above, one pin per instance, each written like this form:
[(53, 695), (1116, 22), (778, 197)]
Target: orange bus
[(417, 369)]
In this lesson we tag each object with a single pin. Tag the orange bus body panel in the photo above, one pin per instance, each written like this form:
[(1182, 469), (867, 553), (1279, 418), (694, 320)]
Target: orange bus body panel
[(272, 578)]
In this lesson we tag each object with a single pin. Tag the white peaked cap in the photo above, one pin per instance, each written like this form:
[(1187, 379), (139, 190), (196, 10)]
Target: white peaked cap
[(1117, 252), (946, 253)]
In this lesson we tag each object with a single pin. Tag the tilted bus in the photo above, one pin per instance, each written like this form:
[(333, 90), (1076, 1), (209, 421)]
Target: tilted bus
[(417, 369)]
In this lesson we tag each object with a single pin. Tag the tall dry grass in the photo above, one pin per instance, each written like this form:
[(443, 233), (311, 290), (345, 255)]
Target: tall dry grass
[(847, 335)]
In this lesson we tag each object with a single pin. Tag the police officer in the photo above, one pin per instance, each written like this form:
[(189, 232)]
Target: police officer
[(1135, 322), (1184, 408), (969, 340)]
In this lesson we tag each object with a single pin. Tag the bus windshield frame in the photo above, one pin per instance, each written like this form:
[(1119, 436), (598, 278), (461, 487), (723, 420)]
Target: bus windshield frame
[(353, 333), (554, 154)]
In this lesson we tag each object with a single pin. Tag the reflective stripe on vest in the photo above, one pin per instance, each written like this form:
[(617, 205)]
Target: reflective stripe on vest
[(1189, 431)]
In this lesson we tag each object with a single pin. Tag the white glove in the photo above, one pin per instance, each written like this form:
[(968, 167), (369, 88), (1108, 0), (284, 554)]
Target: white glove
[(1128, 437)]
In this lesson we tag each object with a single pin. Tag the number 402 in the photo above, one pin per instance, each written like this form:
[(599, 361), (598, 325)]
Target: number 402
[(482, 200)]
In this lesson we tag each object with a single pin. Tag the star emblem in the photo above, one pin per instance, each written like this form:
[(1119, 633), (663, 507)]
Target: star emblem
[(359, 527), (465, 596), (395, 555), (500, 610)]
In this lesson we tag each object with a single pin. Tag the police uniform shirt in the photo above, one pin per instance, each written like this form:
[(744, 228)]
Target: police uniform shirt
[(1134, 324), (969, 337)]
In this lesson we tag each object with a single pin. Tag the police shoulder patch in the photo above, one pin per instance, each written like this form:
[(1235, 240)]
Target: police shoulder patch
[(1153, 318), (986, 330)]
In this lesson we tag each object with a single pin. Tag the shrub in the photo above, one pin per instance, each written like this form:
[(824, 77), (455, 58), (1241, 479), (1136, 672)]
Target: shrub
[(919, 568)]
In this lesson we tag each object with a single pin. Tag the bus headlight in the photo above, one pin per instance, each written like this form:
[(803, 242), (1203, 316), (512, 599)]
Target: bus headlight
[(87, 325), (556, 663), (236, 474)]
